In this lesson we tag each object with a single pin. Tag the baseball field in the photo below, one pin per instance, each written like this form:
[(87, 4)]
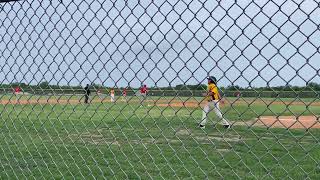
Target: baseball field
[(59, 136)]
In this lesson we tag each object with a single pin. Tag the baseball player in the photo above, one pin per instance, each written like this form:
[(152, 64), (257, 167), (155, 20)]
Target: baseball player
[(124, 94), (100, 95), (99, 92), (87, 94), (17, 92), (143, 93), (213, 98), (143, 90), (112, 95)]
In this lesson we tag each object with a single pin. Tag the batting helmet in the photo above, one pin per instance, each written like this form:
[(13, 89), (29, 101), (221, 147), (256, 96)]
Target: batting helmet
[(212, 79)]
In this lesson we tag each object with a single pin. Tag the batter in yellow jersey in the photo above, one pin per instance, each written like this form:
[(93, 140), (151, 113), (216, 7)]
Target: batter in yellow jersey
[(213, 93), (213, 98)]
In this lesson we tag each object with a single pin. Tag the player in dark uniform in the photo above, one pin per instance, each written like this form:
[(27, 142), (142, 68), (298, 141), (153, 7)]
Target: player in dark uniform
[(87, 94)]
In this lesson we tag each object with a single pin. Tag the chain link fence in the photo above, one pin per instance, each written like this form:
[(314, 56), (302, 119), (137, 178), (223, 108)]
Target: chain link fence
[(151, 112)]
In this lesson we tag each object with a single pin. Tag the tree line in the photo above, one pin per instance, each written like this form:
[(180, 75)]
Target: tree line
[(312, 86)]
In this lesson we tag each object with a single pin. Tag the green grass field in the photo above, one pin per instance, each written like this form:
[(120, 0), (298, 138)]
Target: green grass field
[(128, 141)]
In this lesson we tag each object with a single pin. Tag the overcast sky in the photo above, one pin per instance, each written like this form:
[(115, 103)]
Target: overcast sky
[(160, 43)]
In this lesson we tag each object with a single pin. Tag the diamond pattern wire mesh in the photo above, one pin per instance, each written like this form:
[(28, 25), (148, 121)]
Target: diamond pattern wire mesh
[(264, 54)]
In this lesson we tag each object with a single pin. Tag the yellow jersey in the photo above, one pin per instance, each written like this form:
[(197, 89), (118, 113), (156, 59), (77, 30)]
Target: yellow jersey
[(214, 90)]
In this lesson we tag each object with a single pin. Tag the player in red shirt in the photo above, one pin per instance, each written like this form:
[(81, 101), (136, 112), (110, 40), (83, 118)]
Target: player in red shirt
[(17, 90), (143, 93), (143, 90)]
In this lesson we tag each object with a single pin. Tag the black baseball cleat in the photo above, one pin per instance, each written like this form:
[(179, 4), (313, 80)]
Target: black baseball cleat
[(202, 126), (227, 126)]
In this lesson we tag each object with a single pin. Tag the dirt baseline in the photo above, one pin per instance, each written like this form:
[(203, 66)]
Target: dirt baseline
[(153, 102), (288, 122)]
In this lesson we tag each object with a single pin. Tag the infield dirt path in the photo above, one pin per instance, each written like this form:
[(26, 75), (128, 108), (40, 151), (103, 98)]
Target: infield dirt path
[(158, 102), (290, 122)]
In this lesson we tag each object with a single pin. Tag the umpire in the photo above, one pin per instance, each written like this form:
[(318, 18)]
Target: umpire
[(87, 94)]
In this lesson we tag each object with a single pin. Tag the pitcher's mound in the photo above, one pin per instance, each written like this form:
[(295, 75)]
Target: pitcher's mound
[(289, 122)]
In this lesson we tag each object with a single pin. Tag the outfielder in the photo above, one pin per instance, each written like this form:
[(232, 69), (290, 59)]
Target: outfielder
[(17, 92), (112, 98), (143, 94), (124, 94), (87, 94), (143, 91), (213, 97)]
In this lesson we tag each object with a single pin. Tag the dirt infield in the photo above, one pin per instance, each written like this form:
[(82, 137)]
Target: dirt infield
[(289, 122), (40, 101), (239, 102), (176, 103), (180, 104), (251, 102), (161, 103)]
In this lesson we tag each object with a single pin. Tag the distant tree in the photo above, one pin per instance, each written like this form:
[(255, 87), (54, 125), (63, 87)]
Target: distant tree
[(19, 84), (201, 87), (233, 88), (313, 86), (180, 87), (96, 86), (191, 87), (44, 85)]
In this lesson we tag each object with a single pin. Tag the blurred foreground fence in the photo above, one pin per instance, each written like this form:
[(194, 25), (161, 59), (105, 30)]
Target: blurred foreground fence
[(163, 43)]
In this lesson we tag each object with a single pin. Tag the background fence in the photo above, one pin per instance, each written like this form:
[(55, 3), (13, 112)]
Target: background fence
[(265, 55)]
